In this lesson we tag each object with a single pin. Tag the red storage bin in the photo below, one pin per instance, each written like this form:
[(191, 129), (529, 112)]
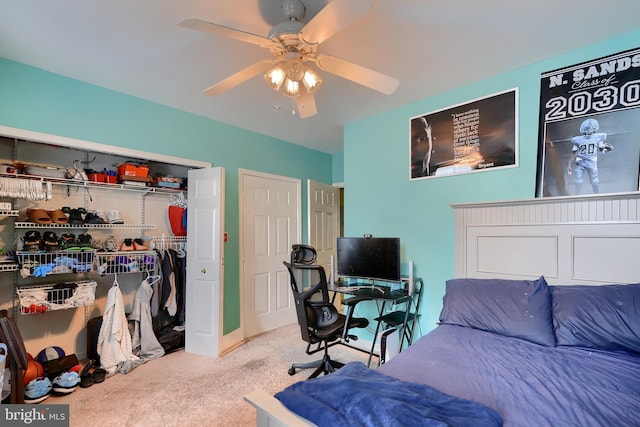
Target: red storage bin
[(128, 169)]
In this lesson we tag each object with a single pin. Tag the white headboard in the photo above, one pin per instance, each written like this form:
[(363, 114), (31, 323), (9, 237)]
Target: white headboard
[(569, 240)]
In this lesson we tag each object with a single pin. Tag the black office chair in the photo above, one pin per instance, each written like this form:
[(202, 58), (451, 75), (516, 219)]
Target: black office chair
[(319, 320)]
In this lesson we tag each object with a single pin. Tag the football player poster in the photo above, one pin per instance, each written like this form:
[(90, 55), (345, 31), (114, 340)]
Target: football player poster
[(479, 135), (589, 136)]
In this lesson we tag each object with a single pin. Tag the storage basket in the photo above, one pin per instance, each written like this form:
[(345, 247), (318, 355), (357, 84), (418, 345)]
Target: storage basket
[(126, 262), (42, 298), (41, 264)]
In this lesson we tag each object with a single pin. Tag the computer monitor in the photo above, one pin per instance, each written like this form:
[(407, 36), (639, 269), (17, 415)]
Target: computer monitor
[(374, 258)]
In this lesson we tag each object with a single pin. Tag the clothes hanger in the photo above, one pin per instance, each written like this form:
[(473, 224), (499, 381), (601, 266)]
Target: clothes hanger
[(152, 279), (181, 252)]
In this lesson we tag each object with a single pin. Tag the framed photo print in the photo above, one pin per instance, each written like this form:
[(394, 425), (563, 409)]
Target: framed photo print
[(476, 136), (589, 136)]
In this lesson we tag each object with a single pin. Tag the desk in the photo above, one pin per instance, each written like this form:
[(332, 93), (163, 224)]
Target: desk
[(381, 294)]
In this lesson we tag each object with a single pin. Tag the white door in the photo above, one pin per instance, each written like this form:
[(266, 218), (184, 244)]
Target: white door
[(270, 215), (324, 221), (205, 261)]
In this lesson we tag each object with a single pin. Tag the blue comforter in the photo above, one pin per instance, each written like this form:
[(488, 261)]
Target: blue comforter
[(358, 396)]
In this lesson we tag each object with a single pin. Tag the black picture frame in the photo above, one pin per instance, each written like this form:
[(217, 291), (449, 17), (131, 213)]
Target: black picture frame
[(589, 134)]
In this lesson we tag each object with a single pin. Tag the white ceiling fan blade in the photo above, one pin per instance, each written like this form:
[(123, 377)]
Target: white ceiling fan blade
[(357, 73), (221, 30), (239, 77), (306, 104), (332, 18)]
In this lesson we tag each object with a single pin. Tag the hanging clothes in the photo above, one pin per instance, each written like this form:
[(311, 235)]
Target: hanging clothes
[(114, 340), (168, 300), (178, 214), (157, 284), (181, 283), (144, 342)]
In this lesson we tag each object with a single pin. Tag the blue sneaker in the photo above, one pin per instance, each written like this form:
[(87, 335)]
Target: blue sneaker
[(66, 382), (37, 390)]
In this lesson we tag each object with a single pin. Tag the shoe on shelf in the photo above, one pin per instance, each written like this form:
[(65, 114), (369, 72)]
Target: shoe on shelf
[(140, 245), (32, 241), (50, 241), (38, 216), (84, 241), (111, 244), (97, 244), (114, 217), (93, 218), (127, 245), (37, 390), (66, 383), (68, 242), (75, 216), (101, 215), (58, 217)]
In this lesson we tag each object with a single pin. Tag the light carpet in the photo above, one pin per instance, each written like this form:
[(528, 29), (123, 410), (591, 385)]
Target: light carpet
[(184, 389)]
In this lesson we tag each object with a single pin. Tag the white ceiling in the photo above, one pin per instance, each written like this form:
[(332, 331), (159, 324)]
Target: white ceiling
[(431, 46)]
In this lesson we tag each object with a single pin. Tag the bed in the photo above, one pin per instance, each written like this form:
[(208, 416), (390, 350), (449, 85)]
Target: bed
[(536, 355), (541, 326)]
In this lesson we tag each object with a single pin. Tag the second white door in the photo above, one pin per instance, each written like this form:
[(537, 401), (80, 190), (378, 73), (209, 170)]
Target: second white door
[(324, 221), (270, 224)]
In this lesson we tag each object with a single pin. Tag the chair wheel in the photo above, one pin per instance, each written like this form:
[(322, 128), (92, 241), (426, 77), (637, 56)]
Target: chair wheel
[(292, 371)]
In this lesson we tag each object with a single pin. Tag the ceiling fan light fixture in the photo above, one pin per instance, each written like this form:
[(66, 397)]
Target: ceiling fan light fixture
[(295, 69), (275, 76), (291, 88), (311, 80)]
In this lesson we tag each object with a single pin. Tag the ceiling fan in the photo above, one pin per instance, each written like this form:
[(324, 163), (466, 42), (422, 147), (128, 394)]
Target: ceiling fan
[(294, 45)]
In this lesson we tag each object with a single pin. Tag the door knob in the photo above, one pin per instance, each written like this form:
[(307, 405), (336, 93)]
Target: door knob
[(204, 270)]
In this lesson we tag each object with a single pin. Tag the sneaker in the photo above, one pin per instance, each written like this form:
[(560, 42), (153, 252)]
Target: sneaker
[(32, 241), (93, 218), (101, 215), (114, 217), (37, 390), (97, 244), (66, 382), (110, 244), (68, 242), (85, 241), (50, 241), (75, 216)]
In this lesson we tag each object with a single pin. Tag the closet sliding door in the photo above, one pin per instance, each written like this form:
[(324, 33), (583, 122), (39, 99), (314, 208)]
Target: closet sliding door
[(205, 261)]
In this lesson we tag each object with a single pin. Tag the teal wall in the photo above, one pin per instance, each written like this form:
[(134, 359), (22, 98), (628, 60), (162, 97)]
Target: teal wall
[(338, 168), (40, 101), (380, 199)]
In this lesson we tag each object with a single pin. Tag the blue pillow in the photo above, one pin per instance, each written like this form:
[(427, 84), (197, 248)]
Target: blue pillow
[(603, 317), (514, 308)]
